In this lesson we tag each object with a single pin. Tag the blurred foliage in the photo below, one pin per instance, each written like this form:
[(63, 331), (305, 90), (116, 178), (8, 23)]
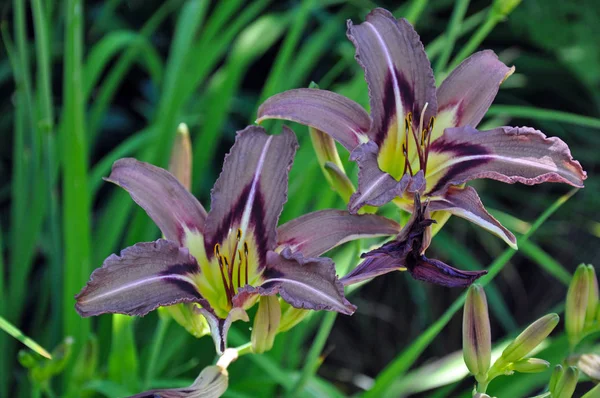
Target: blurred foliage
[(85, 83)]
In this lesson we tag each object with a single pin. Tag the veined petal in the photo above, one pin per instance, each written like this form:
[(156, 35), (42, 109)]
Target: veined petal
[(466, 94), (315, 233), (397, 71), (376, 187), (341, 118), (219, 327), (211, 383), (167, 202), (306, 283), (251, 190), (465, 203), (374, 265), (144, 277), (437, 272), (507, 154)]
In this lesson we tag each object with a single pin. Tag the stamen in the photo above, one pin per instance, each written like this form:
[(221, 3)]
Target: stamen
[(239, 281), (246, 260), (239, 234), (430, 130), (406, 161), (223, 277)]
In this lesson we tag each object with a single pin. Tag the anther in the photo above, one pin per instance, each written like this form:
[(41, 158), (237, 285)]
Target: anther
[(246, 251), (239, 234)]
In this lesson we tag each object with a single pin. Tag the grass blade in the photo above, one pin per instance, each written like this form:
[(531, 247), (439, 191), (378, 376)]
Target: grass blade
[(533, 113), (76, 200), (17, 334)]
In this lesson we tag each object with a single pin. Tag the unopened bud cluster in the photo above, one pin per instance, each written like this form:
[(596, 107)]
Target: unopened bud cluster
[(477, 345)]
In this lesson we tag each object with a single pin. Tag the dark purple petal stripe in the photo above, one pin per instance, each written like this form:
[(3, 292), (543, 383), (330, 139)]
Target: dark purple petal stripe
[(144, 277)]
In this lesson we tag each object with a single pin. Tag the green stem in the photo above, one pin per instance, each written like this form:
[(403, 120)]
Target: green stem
[(453, 30), (244, 349), (157, 342), (543, 114), (312, 359), (416, 9)]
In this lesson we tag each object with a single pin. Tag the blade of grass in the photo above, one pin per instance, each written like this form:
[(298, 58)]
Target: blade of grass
[(493, 18), (157, 342), (546, 262), (50, 162), (3, 338), (109, 85), (399, 366), (76, 200), (123, 363), (452, 32), (17, 334), (313, 359), (544, 114)]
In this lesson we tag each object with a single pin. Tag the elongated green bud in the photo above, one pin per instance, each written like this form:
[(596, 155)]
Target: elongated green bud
[(576, 307), (290, 316), (530, 365), (180, 164), (266, 323), (590, 365), (557, 374), (592, 304), (477, 339), (339, 181), (530, 338), (567, 383)]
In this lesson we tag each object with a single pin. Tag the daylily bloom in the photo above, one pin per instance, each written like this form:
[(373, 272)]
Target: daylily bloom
[(419, 139), (223, 260)]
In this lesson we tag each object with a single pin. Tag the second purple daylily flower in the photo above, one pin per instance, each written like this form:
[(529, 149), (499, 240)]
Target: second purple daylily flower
[(223, 260), (422, 140)]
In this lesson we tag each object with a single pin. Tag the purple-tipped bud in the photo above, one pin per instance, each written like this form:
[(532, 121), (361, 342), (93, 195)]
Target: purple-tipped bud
[(590, 365), (529, 338), (530, 365), (577, 302), (266, 323), (477, 340), (180, 164)]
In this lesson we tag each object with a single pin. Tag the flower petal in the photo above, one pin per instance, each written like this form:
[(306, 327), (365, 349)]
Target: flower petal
[(374, 265), (219, 327), (307, 283), (507, 154), (315, 233), (144, 277), (376, 187), (466, 94), (334, 114), (397, 71), (167, 202), (251, 190), (465, 203), (211, 383), (437, 272)]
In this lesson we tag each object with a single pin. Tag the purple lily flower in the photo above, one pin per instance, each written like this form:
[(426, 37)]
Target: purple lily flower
[(419, 139), (224, 259)]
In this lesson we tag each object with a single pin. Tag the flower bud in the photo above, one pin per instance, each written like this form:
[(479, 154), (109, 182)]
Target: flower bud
[(590, 365), (530, 338), (576, 307), (567, 383), (592, 304), (290, 316), (266, 323), (530, 365), (477, 340), (26, 359), (185, 315), (593, 393), (180, 164), (338, 180), (557, 374)]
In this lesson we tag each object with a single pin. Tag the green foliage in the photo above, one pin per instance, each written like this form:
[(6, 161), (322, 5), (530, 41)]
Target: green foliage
[(68, 67)]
